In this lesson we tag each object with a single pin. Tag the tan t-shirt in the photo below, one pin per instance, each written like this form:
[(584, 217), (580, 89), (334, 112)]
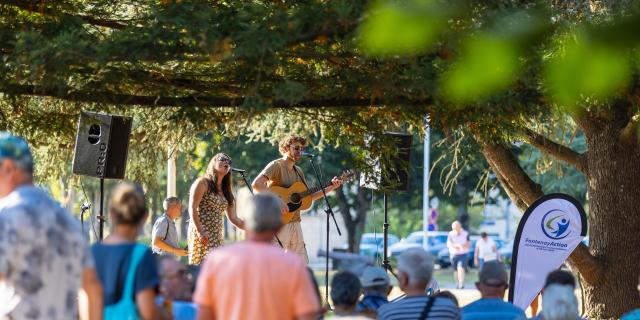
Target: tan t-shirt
[(279, 175)]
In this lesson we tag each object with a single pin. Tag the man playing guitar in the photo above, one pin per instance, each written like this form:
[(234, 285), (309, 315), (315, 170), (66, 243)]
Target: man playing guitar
[(284, 172)]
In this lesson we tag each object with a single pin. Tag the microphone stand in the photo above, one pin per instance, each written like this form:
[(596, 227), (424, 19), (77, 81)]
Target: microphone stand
[(82, 211), (246, 182), (329, 213)]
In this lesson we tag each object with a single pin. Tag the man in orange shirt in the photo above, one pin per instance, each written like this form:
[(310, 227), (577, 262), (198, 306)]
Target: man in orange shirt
[(253, 279)]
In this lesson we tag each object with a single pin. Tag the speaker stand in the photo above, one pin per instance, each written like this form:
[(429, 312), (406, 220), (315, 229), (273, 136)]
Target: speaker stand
[(385, 234), (101, 218)]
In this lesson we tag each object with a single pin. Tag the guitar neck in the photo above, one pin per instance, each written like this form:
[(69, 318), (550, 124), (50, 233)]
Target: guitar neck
[(313, 190)]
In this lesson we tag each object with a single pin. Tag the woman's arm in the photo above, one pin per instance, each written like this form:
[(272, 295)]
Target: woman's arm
[(91, 296), (198, 188), (233, 217)]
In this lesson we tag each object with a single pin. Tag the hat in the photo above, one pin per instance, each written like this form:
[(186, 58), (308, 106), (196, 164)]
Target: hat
[(493, 273), (374, 276), (15, 148)]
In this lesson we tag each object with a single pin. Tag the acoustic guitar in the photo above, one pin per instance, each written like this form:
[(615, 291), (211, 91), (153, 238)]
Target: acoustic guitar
[(298, 197)]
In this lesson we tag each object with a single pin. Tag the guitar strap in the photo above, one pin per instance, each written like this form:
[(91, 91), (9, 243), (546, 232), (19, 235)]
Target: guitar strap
[(295, 168)]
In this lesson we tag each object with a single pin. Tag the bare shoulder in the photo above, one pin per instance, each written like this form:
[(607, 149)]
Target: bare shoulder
[(199, 184)]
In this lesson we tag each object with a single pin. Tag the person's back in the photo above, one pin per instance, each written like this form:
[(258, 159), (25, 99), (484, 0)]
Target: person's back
[(492, 308), (414, 272), (42, 257), (252, 280), (113, 262), (417, 307)]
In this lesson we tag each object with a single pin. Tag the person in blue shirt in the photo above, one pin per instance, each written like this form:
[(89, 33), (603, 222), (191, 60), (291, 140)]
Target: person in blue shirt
[(176, 288), (114, 255), (376, 287), (492, 283)]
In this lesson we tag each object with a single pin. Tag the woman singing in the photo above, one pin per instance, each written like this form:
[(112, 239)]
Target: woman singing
[(210, 198)]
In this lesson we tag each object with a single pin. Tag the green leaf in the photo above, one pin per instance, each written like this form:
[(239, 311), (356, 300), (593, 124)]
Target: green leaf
[(487, 66), (586, 70), (401, 29)]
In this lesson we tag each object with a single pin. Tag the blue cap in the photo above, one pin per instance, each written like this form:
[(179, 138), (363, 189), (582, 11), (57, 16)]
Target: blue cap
[(15, 148)]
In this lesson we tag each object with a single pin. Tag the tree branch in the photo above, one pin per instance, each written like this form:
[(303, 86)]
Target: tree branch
[(42, 9), (557, 150), (194, 101), (523, 192), (589, 267), (503, 162)]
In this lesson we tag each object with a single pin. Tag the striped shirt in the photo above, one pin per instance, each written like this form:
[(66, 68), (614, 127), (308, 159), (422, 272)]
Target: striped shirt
[(492, 309), (411, 308)]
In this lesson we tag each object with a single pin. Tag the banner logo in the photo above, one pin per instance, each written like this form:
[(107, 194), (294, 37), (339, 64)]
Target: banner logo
[(555, 224)]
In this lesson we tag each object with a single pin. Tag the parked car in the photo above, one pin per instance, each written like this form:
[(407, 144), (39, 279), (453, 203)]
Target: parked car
[(444, 257), (371, 244), (437, 240)]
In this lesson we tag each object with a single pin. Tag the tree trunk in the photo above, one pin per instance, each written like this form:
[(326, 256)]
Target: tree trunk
[(609, 267), (614, 219), (355, 225)]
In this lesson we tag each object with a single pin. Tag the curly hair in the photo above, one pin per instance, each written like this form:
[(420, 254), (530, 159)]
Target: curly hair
[(289, 140)]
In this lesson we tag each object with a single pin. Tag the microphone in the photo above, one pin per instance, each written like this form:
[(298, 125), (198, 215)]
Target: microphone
[(310, 155), (238, 170), (85, 206)]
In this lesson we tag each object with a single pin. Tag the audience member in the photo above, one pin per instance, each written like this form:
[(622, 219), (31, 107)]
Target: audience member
[(176, 289), (44, 259), (449, 295), (633, 314), (127, 270), (459, 243), (558, 277), (376, 287), (253, 279), (415, 268), (486, 250), (492, 284), (164, 235), (559, 303), (345, 291)]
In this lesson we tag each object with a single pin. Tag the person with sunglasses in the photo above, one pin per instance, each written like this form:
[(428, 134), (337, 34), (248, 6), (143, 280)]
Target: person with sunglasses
[(284, 172), (210, 198)]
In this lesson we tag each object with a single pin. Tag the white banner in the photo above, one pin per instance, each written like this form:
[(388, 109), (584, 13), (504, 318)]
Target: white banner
[(550, 229)]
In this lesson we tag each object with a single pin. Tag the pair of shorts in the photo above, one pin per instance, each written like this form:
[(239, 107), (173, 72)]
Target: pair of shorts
[(290, 236), (460, 261)]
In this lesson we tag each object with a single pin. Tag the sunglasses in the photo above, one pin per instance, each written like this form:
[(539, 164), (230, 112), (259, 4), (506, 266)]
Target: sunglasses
[(297, 148), (224, 159)]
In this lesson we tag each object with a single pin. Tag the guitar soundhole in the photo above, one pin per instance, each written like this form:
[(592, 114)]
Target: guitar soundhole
[(295, 198)]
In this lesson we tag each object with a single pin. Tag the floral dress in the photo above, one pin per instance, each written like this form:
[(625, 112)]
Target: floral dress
[(211, 211)]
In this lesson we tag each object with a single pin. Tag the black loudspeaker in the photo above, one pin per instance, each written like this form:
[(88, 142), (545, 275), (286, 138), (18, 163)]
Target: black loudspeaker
[(393, 175), (102, 145)]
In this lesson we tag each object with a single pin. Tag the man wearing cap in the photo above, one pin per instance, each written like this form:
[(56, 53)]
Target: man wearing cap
[(45, 263), (492, 284), (376, 288)]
